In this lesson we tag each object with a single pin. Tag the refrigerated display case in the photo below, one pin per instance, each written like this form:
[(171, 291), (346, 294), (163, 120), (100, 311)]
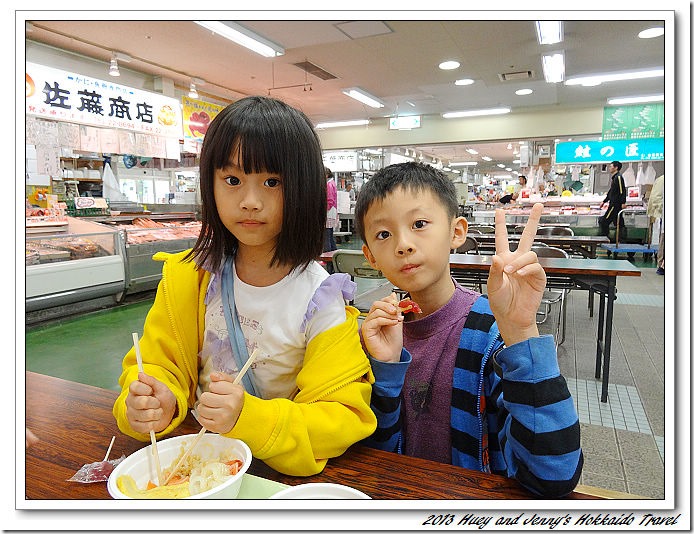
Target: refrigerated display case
[(146, 234), (78, 262)]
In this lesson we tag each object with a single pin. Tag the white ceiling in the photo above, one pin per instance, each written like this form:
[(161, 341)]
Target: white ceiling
[(395, 60)]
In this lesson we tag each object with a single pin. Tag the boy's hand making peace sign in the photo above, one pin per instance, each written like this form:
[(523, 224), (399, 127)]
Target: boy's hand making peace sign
[(516, 281)]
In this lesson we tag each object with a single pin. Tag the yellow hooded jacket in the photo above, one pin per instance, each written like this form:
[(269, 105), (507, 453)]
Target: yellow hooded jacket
[(297, 437)]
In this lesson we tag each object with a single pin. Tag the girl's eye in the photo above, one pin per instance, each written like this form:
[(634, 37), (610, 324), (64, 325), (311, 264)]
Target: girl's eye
[(383, 234), (420, 224), (272, 182), (232, 180)]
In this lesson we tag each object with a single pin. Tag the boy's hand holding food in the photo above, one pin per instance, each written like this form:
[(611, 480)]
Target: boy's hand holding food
[(382, 330), (150, 405), (220, 407), (516, 281)]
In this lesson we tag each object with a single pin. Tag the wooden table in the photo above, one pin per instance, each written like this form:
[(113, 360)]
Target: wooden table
[(585, 245), (596, 276), (75, 425)]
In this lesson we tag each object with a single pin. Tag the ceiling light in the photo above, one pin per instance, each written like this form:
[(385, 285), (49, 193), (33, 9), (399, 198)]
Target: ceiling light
[(523, 92), (364, 97), (516, 161), (465, 81), (509, 146), (243, 36), (549, 31), (449, 65), (652, 32), (597, 79), (193, 92), (471, 151), (339, 124), (113, 69), (635, 99), (553, 67), (463, 164), (476, 113), (455, 171), (500, 165), (486, 158)]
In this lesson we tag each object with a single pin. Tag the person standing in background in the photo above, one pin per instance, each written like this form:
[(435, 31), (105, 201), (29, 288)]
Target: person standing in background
[(616, 200), (330, 223), (351, 191), (655, 210)]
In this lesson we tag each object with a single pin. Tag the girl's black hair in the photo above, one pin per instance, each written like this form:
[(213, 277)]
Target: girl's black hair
[(269, 136), (412, 176)]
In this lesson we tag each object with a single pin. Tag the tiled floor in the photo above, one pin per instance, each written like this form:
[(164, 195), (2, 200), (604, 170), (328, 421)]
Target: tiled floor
[(623, 440)]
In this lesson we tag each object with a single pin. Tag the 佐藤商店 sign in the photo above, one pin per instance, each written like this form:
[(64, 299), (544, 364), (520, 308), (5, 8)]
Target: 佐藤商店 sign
[(65, 96)]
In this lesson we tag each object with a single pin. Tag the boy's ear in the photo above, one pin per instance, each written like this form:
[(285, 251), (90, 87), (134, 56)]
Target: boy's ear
[(459, 232), (369, 257)]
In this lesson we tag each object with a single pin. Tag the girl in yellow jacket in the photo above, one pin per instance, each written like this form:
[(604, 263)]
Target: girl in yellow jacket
[(251, 284)]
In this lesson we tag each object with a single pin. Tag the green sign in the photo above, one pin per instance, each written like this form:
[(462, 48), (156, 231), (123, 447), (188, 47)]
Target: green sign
[(640, 121)]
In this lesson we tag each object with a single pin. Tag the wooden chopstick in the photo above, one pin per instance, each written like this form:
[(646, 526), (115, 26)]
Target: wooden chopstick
[(152, 437), (109, 448), (238, 378)]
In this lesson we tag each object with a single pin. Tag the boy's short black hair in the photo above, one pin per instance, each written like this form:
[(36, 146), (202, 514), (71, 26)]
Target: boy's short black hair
[(269, 136), (412, 176), (617, 164)]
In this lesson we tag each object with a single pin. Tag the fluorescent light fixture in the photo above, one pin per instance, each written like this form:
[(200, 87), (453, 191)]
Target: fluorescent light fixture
[(476, 113), (516, 161), (500, 165), (486, 158), (553, 67), (549, 31), (339, 124), (465, 81), (455, 171), (597, 79), (635, 99), (449, 65), (463, 163), (243, 36), (502, 176), (363, 97), (523, 92), (471, 151), (652, 32)]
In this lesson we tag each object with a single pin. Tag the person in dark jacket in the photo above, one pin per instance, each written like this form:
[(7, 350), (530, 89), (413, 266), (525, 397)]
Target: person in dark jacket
[(469, 381), (616, 200)]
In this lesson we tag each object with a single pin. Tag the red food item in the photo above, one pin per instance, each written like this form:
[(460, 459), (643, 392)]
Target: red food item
[(407, 305), (199, 121)]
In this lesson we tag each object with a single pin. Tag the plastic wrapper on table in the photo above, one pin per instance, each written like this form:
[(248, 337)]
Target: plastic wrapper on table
[(96, 471)]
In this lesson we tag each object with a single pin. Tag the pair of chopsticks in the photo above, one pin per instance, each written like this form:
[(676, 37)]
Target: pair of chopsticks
[(238, 378), (153, 439)]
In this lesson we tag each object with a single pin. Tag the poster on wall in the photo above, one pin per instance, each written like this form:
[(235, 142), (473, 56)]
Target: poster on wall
[(197, 116), (61, 95), (644, 121)]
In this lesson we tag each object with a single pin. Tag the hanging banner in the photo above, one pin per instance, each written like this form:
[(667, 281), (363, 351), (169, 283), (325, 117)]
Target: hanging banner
[(606, 151), (639, 121), (65, 96), (197, 116)]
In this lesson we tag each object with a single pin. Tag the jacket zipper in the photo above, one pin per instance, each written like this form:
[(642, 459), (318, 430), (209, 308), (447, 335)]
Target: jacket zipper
[(479, 395)]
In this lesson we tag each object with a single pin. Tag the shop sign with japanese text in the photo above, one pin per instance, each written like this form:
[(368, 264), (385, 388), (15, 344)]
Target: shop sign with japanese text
[(65, 96), (197, 116), (606, 151)]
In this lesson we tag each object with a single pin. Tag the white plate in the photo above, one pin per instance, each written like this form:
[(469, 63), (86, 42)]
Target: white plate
[(320, 491)]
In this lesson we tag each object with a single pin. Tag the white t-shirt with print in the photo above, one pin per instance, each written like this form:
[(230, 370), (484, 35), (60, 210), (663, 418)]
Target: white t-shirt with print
[(271, 318)]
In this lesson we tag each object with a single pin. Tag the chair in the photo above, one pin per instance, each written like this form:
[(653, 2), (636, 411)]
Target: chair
[(469, 247), (371, 283), (554, 230), (561, 285)]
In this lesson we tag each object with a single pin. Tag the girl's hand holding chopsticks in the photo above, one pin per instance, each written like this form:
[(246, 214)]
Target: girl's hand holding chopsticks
[(150, 405), (220, 407)]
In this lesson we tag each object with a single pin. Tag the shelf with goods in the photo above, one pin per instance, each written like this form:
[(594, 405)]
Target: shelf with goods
[(83, 262)]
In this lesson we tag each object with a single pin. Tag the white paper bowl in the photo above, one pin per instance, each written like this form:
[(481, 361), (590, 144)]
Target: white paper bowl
[(320, 491), (140, 464)]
